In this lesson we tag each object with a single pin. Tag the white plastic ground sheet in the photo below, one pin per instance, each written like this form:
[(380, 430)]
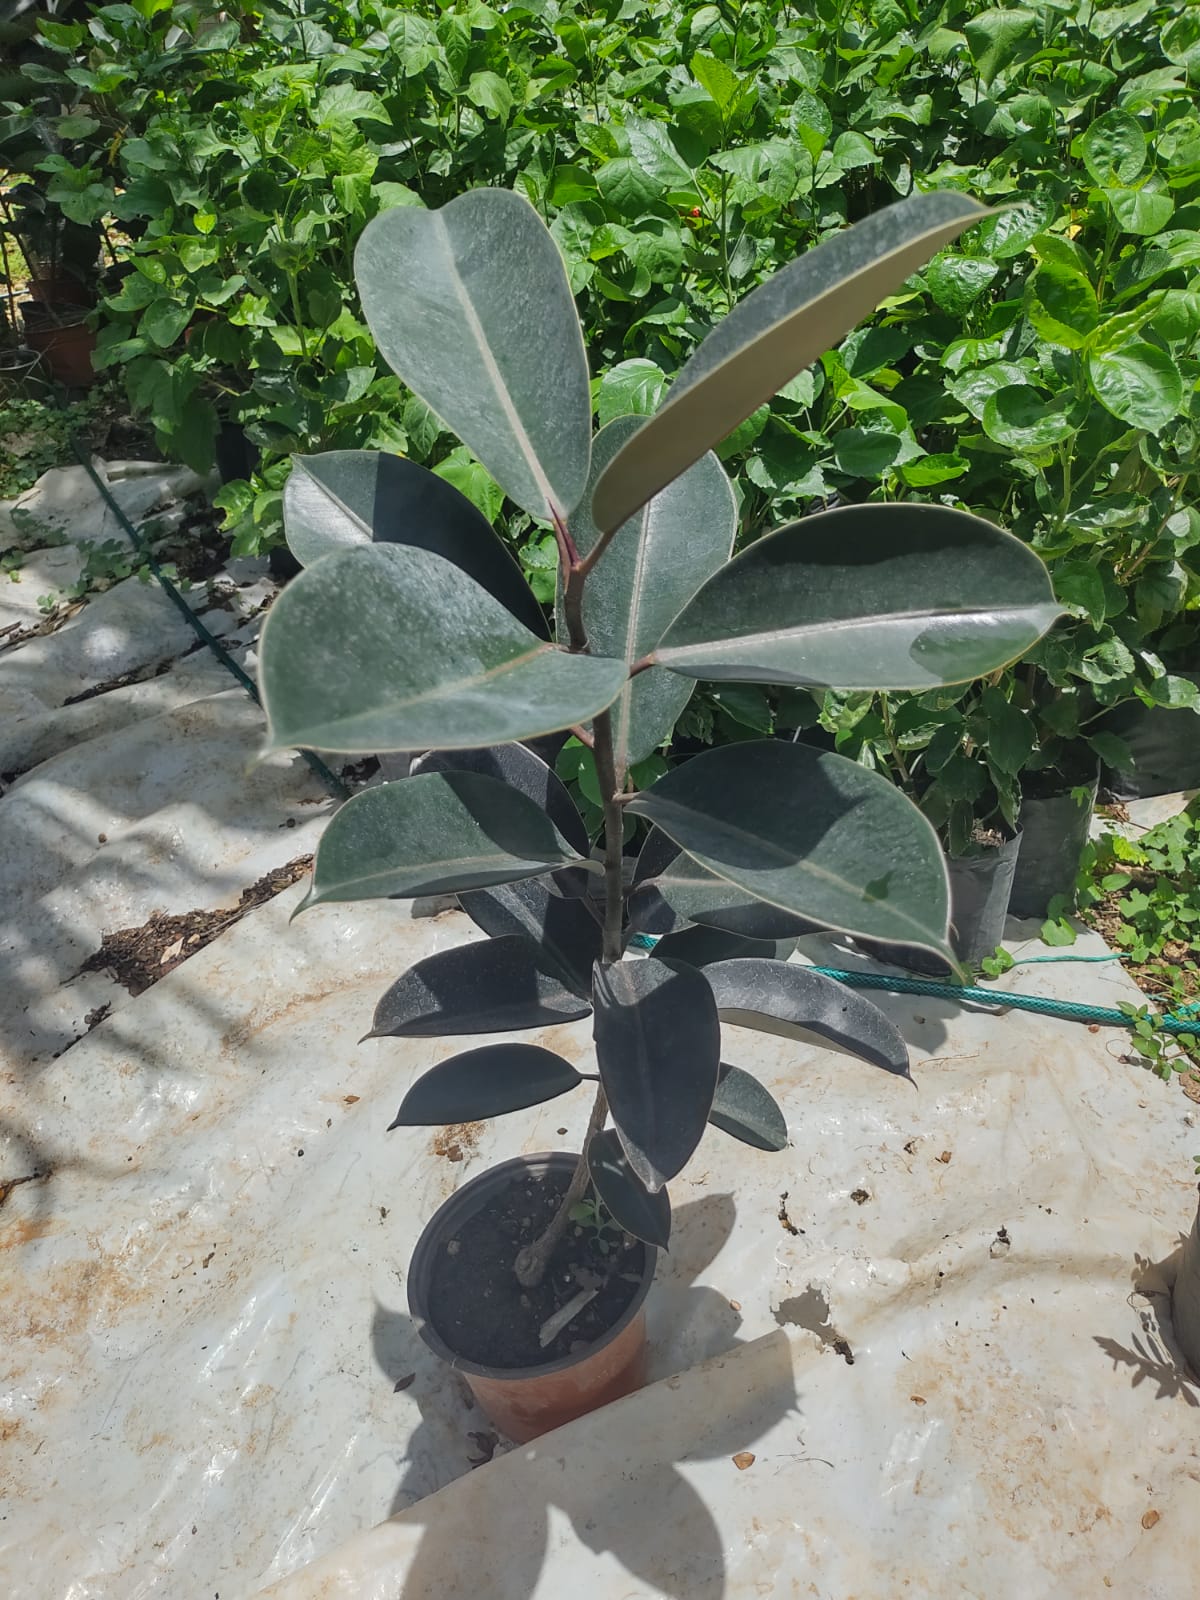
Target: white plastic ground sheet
[(925, 1350)]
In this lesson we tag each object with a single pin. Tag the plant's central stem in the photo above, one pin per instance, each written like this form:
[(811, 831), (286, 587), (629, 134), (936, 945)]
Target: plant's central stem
[(531, 1262)]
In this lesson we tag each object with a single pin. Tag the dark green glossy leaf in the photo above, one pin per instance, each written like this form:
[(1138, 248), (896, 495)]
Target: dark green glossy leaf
[(658, 1046), (993, 35), (1138, 383), (391, 648), (465, 302), (672, 891), (810, 832), (1018, 417), (774, 333), (492, 986), (486, 1082), (567, 932), (434, 834), (869, 597), (747, 1111), (1114, 149), (646, 1216), (346, 498), (649, 571), (700, 947), (791, 1000)]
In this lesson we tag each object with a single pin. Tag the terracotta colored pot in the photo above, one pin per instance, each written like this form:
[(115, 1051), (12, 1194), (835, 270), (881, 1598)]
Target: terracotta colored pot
[(526, 1402), (66, 349)]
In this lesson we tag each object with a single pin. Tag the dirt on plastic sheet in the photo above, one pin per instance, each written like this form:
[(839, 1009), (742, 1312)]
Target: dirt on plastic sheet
[(139, 957), (483, 1313)]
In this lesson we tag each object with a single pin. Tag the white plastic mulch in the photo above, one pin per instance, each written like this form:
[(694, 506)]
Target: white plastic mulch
[(942, 1365)]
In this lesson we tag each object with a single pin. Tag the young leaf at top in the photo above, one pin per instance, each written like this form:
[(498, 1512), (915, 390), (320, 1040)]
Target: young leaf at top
[(346, 498), (464, 303), (774, 333), (434, 834), (485, 1083), (567, 932), (671, 890), (646, 1216), (391, 648), (810, 832), (792, 1001), (646, 575), (743, 1108), (493, 986), (867, 597), (658, 1045)]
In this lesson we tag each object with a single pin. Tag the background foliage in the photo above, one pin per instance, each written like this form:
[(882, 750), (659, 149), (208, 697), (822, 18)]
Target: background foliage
[(1042, 372)]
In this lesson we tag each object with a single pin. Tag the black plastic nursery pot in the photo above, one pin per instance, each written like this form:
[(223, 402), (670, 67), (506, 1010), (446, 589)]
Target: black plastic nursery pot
[(1185, 1299), (1164, 744), (980, 886), (1054, 830), (524, 1402)]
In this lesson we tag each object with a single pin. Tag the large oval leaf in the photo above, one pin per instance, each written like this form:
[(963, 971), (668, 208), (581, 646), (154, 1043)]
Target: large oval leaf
[(434, 834), (658, 1046), (810, 832), (347, 498), (1139, 383), (646, 1216), (485, 1083), (775, 332), (868, 597), (671, 891), (649, 571), (490, 987), (743, 1108), (790, 1000), (470, 304), (392, 648), (567, 932)]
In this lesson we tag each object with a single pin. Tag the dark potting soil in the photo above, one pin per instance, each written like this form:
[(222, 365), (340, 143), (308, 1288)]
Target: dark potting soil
[(483, 1313)]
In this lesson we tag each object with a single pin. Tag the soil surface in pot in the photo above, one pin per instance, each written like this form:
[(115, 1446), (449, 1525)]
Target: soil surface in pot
[(482, 1312)]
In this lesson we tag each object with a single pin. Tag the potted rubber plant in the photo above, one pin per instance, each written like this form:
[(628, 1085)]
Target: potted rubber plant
[(410, 629)]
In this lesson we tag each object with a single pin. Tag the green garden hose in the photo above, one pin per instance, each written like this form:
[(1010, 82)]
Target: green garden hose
[(1069, 1010)]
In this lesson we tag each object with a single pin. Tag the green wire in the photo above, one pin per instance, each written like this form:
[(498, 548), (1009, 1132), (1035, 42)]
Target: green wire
[(1068, 1010), (330, 779)]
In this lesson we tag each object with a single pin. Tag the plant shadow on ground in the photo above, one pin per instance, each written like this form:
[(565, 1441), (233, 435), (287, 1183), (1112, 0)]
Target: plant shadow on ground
[(608, 1500), (1155, 1357)]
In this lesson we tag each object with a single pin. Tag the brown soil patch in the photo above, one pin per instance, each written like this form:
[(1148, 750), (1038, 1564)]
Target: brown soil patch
[(139, 957), (457, 1140)]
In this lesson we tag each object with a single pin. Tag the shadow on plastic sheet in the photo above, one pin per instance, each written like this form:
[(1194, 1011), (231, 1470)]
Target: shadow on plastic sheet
[(642, 1511), (1153, 1356)]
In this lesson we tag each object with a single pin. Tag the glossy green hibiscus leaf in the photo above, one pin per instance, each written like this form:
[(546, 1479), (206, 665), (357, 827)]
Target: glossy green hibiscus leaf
[(347, 498), (1139, 383), (434, 834), (643, 579), (646, 1216), (464, 303), (487, 1082), (812, 833), (747, 1111), (867, 597), (774, 333), (388, 647), (658, 1046)]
